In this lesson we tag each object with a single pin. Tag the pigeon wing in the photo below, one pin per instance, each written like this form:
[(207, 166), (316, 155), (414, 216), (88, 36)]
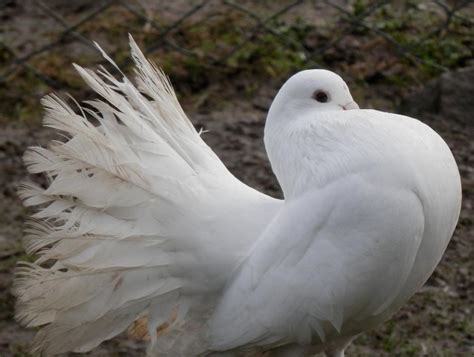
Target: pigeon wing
[(331, 259)]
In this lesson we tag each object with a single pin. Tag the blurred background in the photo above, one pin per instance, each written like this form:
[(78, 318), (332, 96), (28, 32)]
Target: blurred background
[(227, 60)]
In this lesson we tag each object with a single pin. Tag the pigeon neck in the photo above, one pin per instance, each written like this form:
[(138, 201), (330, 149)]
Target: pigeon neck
[(295, 144)]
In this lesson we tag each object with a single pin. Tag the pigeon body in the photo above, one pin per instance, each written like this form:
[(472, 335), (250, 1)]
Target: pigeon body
[(142, 226)]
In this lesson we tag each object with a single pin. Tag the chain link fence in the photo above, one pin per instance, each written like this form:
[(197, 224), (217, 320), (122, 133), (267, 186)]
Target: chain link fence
[(39, 38)]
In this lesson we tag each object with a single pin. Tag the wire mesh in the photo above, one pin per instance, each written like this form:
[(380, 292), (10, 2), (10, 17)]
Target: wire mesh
[(222, 34)]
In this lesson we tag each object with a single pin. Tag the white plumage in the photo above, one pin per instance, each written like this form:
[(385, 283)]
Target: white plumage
[(143, 226)]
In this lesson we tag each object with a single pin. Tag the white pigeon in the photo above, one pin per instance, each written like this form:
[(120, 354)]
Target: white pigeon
[(143, 227)]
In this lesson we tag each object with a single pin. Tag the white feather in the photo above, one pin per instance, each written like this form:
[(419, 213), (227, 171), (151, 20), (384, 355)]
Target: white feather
[(137, 212)]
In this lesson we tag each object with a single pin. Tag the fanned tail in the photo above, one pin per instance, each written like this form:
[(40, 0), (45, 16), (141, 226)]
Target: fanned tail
[(141, 223)]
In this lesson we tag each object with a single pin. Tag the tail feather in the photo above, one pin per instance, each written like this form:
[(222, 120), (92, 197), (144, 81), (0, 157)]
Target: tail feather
[(140, 219)]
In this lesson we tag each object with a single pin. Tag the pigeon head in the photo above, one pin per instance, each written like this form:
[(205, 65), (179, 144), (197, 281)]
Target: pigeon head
[(307, 102), (314, 90)]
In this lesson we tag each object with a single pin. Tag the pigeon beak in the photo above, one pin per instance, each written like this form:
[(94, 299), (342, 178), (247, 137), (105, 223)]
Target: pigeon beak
[(350, 105)]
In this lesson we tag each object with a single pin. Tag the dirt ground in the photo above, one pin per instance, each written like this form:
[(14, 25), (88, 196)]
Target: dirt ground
[(437, 321)]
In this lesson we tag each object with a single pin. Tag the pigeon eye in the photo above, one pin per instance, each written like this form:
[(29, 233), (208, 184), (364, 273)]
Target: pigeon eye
[(321, 96)]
